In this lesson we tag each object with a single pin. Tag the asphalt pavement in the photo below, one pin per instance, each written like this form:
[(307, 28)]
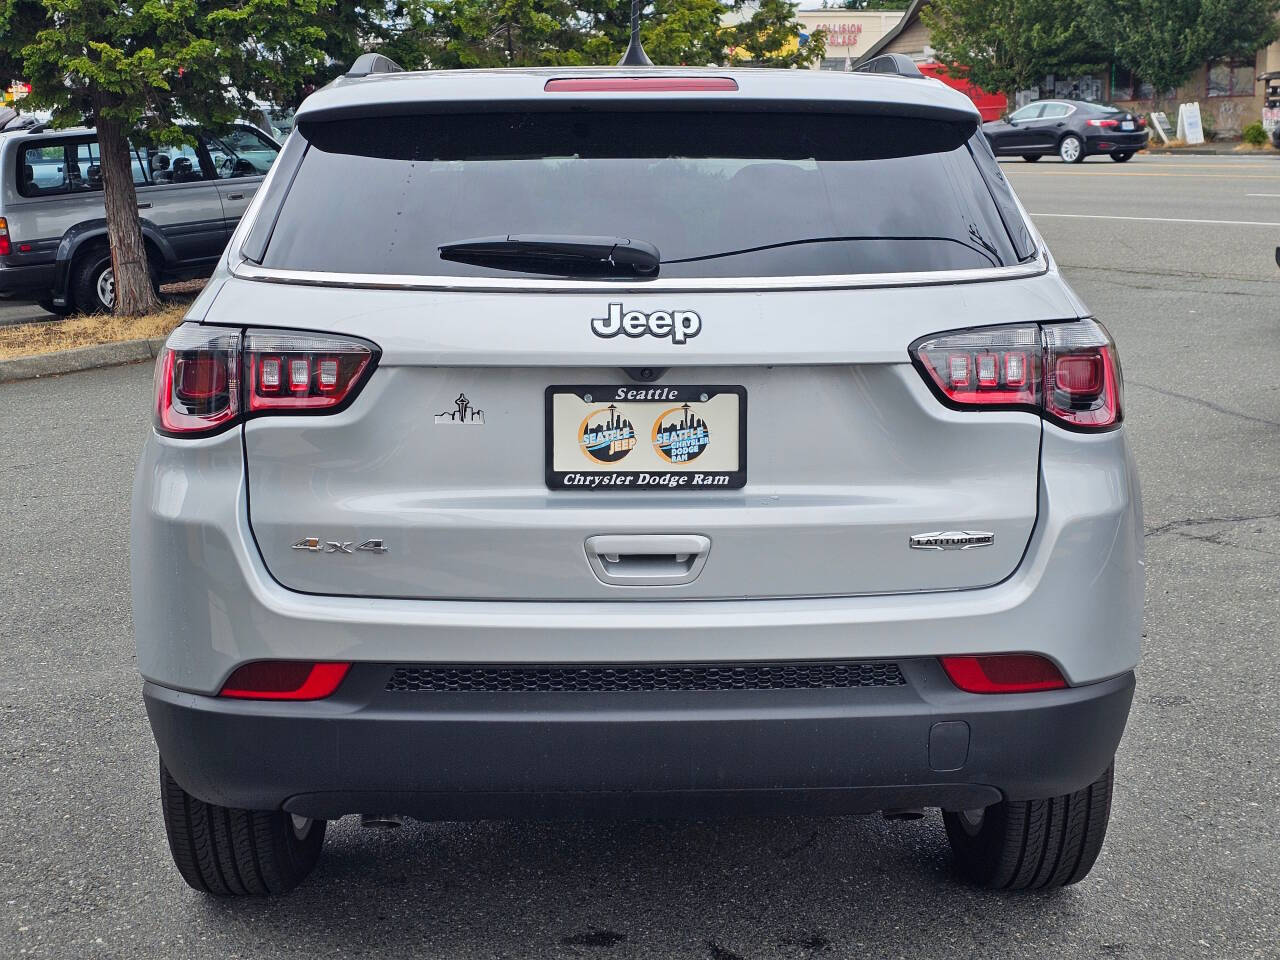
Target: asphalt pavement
[(1175, 255), (22, 312)]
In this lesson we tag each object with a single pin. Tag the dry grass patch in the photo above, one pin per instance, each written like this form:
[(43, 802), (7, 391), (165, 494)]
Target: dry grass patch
[(33, 339)]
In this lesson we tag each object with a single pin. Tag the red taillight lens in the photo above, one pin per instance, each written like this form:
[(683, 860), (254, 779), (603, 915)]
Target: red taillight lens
[(1103, 123), (209, 378), (301, 372), (1067, 372), (284, 680), (198, 381), (1082, 375), (1003, 673), (6, 247), (991, 367)]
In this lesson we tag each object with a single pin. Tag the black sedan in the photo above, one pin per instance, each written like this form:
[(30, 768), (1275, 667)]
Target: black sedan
[(1072, 129)]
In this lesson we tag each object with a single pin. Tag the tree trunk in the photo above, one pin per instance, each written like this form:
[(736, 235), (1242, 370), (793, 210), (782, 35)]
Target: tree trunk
[(134, 293)]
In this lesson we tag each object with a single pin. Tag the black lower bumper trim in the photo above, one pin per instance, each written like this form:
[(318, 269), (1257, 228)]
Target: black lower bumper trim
[(518, 754), (33, 280)]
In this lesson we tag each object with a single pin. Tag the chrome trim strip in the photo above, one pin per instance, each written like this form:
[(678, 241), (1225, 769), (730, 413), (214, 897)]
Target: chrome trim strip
[(246, 270)]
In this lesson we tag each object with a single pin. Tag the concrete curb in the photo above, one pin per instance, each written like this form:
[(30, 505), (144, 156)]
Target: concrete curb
[(81, 358)]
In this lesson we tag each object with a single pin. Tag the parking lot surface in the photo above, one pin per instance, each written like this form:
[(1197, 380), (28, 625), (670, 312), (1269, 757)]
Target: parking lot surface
[(1190, 865)]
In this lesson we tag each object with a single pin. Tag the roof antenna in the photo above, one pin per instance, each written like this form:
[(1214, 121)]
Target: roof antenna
[(635, 55)]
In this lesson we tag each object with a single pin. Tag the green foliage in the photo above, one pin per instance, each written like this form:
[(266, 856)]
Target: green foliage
[(1165, 41), (496, 33), (869, 4), (769, 37), (672, 31), (1009, 45), (19, 21), (148, 63), (1254, 134)]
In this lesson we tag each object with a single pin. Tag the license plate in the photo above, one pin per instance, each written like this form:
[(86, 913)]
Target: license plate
[(646, 437), (1126, 125)]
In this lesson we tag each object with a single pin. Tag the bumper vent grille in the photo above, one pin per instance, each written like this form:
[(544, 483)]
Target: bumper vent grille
[(617, 679)]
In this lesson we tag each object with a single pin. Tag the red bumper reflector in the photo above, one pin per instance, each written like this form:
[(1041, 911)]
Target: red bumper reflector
[(639, 84), (1003, 673), (284, 680)]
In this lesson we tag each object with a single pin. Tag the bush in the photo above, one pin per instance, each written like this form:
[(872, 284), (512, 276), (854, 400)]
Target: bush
[(1254, 134)]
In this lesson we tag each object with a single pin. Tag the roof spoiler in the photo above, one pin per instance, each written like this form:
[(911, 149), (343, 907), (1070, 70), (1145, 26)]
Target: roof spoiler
[(368, 63), (891, 63)]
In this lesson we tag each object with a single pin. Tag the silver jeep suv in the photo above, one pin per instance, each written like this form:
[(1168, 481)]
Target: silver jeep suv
[(636, 442)]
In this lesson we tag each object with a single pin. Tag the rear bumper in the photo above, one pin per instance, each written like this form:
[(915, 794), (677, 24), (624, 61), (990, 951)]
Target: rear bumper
[(33, 280), (1116, 142), (204, 602), (478, 755)]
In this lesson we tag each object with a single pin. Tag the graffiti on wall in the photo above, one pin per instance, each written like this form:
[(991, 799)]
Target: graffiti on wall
[(1229, 113)]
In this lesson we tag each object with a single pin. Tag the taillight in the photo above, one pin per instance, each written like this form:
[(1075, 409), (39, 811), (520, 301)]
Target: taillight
[(1103, 123), (302, 372), (198, 381), (6, 247), (1003, 673), (1081, 375), (284, 680), (1067, 372), (211, 378)]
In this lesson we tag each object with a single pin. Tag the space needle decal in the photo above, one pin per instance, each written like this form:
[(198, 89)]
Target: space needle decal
[(464, 414)]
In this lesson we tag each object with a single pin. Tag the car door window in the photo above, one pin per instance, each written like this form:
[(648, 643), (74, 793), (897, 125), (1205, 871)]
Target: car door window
[(1029, 112), (241, 153), (42, 170), (1055, 111), (67, 167), (174, 164)]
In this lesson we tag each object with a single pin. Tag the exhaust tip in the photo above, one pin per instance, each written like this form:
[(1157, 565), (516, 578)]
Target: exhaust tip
[(381, 821), (906, 813)]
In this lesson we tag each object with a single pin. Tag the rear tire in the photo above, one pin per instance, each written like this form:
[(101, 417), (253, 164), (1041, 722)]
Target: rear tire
[(1031, 157), (1032, 844), (92, 283), (1071, 149), (236, 853), (1121, 157)]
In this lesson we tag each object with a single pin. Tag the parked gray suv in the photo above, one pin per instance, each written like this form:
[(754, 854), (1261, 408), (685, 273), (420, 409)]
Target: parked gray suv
[(566, 442), (53, 232)]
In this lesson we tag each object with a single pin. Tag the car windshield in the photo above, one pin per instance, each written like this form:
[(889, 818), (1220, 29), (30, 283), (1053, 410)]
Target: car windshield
[(720, 195)]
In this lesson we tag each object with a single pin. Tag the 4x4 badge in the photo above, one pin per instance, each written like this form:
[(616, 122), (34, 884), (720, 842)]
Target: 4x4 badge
[(316, 545), (679, 325)]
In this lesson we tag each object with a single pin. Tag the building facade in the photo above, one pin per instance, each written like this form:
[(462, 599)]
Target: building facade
[(850, 33)]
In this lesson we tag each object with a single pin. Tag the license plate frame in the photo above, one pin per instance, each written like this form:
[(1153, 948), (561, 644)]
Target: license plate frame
[(1126, 125), (721, 472)]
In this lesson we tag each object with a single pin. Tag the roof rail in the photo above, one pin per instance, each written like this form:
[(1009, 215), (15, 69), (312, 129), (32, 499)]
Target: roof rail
[(368, 63), (892, 63)]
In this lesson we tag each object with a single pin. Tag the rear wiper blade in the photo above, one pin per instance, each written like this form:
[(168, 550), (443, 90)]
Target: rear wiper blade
[(558, 254), (796, 243)]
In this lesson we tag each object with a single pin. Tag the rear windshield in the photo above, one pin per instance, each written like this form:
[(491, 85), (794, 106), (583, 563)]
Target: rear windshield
[(719, 194)]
